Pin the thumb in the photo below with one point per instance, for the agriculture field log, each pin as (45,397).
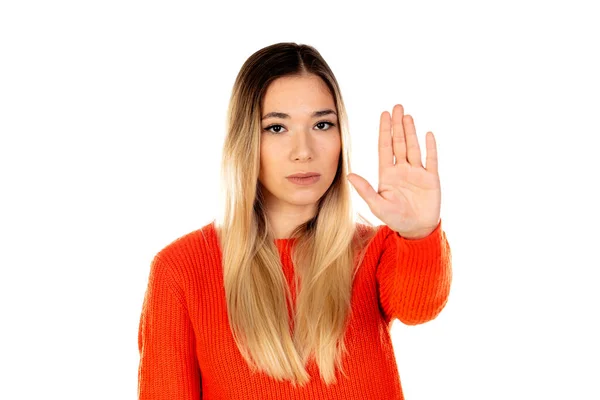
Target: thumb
(364,189)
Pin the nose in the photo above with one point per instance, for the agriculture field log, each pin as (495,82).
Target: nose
(302,146)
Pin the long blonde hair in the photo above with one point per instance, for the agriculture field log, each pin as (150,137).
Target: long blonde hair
(329,247)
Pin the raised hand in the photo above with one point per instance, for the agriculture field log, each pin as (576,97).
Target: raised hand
(408,199)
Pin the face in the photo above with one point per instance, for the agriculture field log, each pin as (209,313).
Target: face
(298,142)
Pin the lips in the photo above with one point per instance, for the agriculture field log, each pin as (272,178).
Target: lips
(304,175)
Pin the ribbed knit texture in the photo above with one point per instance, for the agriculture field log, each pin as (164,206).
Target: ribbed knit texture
(187,350)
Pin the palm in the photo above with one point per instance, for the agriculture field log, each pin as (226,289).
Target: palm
(408,198)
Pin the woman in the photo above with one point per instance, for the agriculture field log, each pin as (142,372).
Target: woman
(285,295)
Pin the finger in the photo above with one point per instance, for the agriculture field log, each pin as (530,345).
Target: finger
(399,146)
(386,153)
(412,143)
(432,159)
(365,190)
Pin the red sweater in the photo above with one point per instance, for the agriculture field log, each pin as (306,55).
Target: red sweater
(187,350)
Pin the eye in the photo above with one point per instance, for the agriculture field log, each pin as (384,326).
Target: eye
(331,125)
(271,127)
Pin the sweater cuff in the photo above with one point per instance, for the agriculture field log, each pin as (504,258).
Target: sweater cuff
(426,243)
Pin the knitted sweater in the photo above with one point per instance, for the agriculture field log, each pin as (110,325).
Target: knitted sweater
(187,350)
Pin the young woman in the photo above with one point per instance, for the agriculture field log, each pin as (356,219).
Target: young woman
(285,295)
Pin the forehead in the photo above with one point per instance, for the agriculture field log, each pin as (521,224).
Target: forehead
(297,94)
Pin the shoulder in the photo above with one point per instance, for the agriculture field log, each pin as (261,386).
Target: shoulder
(190,246)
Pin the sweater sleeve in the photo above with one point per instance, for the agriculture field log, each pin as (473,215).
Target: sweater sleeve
(168,368)
(414,276)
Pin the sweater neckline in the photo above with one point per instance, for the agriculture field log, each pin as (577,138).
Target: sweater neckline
(284,241)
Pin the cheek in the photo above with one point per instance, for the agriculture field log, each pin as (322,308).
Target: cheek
(333,149)
(268,162)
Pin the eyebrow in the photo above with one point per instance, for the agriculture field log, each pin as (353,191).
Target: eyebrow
(276,114)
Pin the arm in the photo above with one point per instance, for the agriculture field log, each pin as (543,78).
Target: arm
(414,276)
(168,367)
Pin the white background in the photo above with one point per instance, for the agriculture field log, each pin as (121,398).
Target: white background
(112,119)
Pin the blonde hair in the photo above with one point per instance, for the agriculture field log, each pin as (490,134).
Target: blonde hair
(329,247)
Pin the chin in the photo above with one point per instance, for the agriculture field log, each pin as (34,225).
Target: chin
(304,198)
